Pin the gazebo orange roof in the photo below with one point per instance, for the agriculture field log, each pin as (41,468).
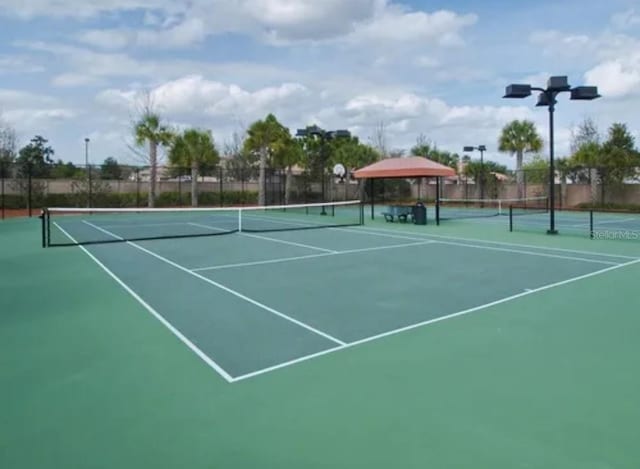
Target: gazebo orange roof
(407,167)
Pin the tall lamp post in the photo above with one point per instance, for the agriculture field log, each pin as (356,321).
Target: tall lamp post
(324,136)
(547,97)
(481,149)
(88,168)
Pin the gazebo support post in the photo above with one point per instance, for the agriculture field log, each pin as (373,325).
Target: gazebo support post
(372,199)
(437,200)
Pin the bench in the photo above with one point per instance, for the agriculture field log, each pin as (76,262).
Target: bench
(402,212)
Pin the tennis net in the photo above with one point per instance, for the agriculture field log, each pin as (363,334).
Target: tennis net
(474,208)
(79,226)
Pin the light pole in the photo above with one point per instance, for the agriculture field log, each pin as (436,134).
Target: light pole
(324,136)
(481,149)
(547,97)
(88,169)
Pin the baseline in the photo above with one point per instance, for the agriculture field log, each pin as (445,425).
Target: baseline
(501,243)
(489,248)
(434,320)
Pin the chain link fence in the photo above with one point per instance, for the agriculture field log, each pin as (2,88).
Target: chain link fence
(24,190)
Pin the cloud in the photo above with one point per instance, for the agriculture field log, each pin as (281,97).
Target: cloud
(278,23)
(194,95)
(617,78)
(16,64)
(80,9)
(186,33)
(397,24)
(627,19)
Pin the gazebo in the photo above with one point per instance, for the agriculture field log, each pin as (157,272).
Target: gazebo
(415,167)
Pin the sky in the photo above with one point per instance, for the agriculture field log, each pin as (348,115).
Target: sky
(71,69)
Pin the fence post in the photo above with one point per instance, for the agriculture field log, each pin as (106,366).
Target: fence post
(221,185)
(2,176)
(180,187)
(29,208)
(90,187)
(137,187)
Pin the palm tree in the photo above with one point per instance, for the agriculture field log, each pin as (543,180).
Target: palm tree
(267,138)
(150,131)
(194,148)
(520,137)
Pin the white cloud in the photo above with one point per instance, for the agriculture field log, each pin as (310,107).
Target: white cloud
(16,64)
(627,19)
(79,8)
(617,78)
(194,95)
(73,80)
(397,24)
(186,33)
(424,61)
(280,22)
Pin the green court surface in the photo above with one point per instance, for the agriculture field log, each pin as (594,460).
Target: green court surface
(383,345)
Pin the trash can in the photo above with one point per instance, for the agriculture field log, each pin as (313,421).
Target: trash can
(419,214)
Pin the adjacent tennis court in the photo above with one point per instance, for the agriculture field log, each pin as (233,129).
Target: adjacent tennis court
(312,336)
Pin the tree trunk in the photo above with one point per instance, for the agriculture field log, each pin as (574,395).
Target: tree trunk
(262,199)
(194,184)
(519,175)
(288,183)
(153,172)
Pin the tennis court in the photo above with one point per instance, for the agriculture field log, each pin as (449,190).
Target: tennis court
(532,214)
(315,339)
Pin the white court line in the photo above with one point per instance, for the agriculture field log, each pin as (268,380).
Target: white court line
(281,241)
(142,225)
(222,287)
(291,243)
(310,256)
(218,369)
(208,227)
(596,224)
(488,248)
(500,243)
(435,320)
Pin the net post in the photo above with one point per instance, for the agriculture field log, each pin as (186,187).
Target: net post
(239,220)
(510,218)
(43,225)
(591,224)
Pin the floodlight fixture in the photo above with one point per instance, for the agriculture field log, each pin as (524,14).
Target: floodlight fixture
(481,149)
(584,93)
(340,134)
(543,100)
(558,84)
(324,136)
(518,91)
(547,98)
